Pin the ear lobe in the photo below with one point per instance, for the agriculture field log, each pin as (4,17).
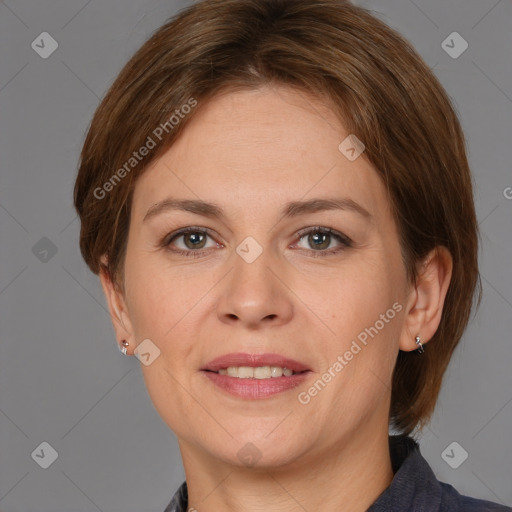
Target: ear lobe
(117,306)
(426,299)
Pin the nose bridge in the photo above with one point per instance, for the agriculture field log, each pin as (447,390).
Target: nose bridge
(253,293)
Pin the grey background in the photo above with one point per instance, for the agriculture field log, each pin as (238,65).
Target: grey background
(62,378)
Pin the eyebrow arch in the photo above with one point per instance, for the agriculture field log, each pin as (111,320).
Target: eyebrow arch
(291,209)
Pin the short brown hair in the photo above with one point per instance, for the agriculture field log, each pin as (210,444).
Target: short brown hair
(383,92)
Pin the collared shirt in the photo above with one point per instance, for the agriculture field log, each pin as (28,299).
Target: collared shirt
(414,487)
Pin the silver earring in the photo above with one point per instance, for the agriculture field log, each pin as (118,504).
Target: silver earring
(420,346)
(125,347)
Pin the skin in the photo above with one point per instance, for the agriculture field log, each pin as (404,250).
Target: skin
(251,152)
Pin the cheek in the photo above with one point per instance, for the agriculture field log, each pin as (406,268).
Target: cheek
(354,298)
(363,306)
(362,355)
(366,323)
(167,303)
(158,310)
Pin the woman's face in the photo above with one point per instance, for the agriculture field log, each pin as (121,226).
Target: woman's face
(265,278)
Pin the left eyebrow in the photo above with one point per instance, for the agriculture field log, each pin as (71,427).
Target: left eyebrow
(291,209)
(295,208)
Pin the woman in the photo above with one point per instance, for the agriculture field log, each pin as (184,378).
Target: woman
(277,200)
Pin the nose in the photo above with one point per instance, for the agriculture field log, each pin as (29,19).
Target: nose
(255,293)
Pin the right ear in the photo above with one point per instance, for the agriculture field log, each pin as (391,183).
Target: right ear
(117,307)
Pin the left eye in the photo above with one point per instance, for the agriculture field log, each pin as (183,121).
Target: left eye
(320,238)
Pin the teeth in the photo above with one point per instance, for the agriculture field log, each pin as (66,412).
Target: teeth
(232,371)
(260,372)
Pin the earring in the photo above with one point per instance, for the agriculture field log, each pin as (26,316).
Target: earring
(420,346)
(125,346)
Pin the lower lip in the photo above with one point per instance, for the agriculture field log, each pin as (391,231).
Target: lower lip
(256,388)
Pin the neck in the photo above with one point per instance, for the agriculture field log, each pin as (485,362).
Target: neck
(348,476)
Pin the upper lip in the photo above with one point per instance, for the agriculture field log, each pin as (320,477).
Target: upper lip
(254,360)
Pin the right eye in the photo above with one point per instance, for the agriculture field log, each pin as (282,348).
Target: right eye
(193,239)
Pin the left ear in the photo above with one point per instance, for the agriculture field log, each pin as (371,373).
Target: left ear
(426,299)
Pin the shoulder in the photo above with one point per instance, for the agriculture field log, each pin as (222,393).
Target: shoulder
(416,487)
(179,502)
(453,501)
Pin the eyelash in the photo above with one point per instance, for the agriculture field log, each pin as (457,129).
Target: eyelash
(345,241)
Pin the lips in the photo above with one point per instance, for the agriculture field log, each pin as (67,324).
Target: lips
(254,360)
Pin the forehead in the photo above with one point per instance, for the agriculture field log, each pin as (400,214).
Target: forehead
(260,147)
